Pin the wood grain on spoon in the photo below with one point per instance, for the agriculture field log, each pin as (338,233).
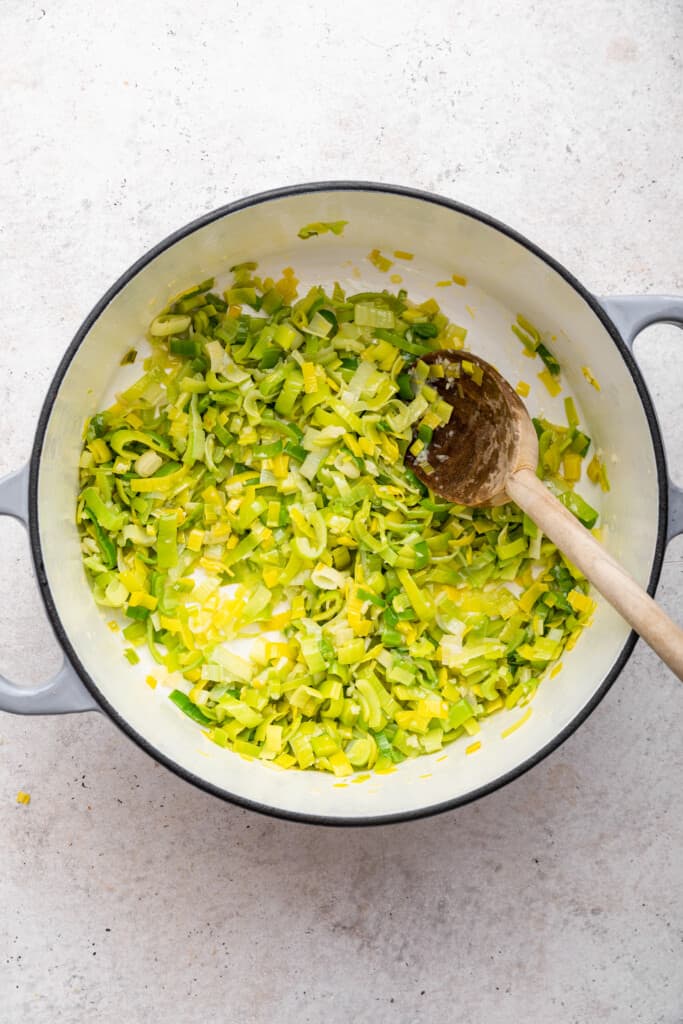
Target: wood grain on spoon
(488,453)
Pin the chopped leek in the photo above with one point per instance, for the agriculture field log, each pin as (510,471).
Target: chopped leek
(321,227)
(251,486)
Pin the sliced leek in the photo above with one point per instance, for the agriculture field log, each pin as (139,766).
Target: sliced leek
(251,485)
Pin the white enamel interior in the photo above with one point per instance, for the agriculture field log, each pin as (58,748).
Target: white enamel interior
(504,278)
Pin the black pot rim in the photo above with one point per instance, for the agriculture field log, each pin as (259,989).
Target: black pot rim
(95,313)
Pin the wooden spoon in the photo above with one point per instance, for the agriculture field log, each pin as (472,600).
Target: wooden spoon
(488,453)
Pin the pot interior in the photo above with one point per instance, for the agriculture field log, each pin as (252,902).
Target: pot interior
(504,278)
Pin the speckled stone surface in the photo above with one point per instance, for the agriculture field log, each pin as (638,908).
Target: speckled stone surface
(125,895)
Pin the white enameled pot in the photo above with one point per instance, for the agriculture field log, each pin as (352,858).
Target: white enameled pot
(506,274)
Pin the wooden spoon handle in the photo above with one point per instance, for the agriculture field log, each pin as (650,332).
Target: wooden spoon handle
(619,588)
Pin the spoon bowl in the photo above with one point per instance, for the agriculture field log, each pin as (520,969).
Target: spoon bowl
(488,436)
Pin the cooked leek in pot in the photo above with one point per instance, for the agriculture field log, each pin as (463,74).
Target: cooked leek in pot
(246,508)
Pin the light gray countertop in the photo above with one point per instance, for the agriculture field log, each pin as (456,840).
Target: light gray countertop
(125,894)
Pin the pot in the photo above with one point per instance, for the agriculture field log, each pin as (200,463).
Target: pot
(506,274)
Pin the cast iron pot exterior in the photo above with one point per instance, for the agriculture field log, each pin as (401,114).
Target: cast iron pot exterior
(73,689)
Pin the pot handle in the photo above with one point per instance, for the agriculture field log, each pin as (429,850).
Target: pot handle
(631,314)
(64,692)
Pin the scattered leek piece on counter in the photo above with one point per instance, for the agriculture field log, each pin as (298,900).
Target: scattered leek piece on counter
(251,485)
